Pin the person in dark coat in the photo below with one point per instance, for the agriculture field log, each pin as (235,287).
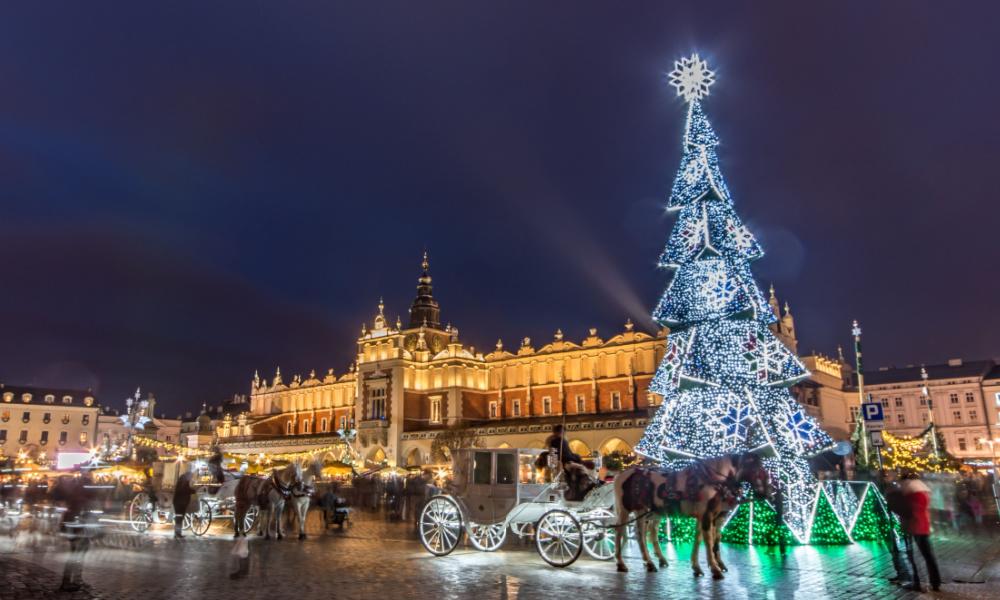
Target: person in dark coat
(184,491)
(574,466)
(897,503)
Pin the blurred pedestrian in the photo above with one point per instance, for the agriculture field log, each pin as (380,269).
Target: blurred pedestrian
(897,546)
(917,525)
(76,494)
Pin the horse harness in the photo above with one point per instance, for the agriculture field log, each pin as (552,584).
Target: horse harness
(285,491)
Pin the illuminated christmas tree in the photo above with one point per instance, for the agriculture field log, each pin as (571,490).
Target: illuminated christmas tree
(725,376)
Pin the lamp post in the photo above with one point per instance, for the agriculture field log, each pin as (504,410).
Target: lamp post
(134,418)
(930,409)
(856,332)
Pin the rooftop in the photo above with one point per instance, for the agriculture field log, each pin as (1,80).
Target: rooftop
(952,369)
(23,394)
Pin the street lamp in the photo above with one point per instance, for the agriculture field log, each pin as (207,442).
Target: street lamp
(134,418)
(856,332)
(930,409)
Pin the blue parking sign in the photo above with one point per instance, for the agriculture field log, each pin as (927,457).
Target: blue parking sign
(872,411)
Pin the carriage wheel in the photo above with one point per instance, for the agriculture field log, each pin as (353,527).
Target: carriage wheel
(559,538)
(250,519)
(201,520)
(598,536)
(140,512)
(487,538)
(440,525)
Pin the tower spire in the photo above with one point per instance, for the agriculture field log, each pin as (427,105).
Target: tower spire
(425,311)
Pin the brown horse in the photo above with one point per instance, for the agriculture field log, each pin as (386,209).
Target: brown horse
(705,490)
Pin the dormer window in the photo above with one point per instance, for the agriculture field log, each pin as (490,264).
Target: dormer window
(8,396)
(88,401)
(67,399)
(26,397)
(49,398)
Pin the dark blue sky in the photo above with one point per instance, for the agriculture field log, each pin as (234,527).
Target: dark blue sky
(193,190)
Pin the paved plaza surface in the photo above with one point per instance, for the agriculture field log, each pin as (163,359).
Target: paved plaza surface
(375,559)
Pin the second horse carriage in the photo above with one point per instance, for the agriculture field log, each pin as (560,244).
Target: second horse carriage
(494,490)
(153,503)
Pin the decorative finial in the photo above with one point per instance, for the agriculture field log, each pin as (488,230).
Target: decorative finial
(425,264)
(787,310)
(692,78)
(559,335)
(312,373)
(855,329)
(526,341)
(629,325)
(381,306)
(593,332)
(499,345)
(138,392)
(840,353)
(399,323)
(772,291)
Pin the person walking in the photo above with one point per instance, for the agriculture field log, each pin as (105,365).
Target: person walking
(917,525)
(76,495)
(897,545)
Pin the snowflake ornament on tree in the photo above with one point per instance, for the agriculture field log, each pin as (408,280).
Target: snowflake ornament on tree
(692,78)
(741,236)
(800,426)
(765,357)
(719,290)
(737,422)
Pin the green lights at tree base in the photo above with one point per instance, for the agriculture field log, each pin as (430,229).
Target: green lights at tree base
(757,523)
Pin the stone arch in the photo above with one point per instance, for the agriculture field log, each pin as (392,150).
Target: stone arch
(414,458)
(579,447)
(377,455)
(612,444)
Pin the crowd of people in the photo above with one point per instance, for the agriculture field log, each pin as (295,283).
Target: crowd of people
(400,497)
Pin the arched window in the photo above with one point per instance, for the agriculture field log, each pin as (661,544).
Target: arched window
(289,428)
(324,425)
(305,426)
(579,447)
(615,444)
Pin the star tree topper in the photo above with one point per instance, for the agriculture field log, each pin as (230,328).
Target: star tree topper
(692,78)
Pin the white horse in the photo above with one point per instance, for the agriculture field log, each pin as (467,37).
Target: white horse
(301,498)
(283,483)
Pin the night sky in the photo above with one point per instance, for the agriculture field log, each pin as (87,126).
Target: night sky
(195,190)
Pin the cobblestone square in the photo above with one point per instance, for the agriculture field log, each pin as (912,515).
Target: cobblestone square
(375,559)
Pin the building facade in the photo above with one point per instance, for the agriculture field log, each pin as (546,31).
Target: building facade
(411,381)
(42,421)
(965,400)
(112,431)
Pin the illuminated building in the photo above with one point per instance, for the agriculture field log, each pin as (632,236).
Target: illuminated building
(46,421)
(411,381)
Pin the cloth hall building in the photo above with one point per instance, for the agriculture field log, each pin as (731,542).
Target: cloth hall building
(412,381)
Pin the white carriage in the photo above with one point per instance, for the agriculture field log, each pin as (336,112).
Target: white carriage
(153,504)
(499,489)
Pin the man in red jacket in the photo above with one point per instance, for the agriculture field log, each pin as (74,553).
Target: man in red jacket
(918,527)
